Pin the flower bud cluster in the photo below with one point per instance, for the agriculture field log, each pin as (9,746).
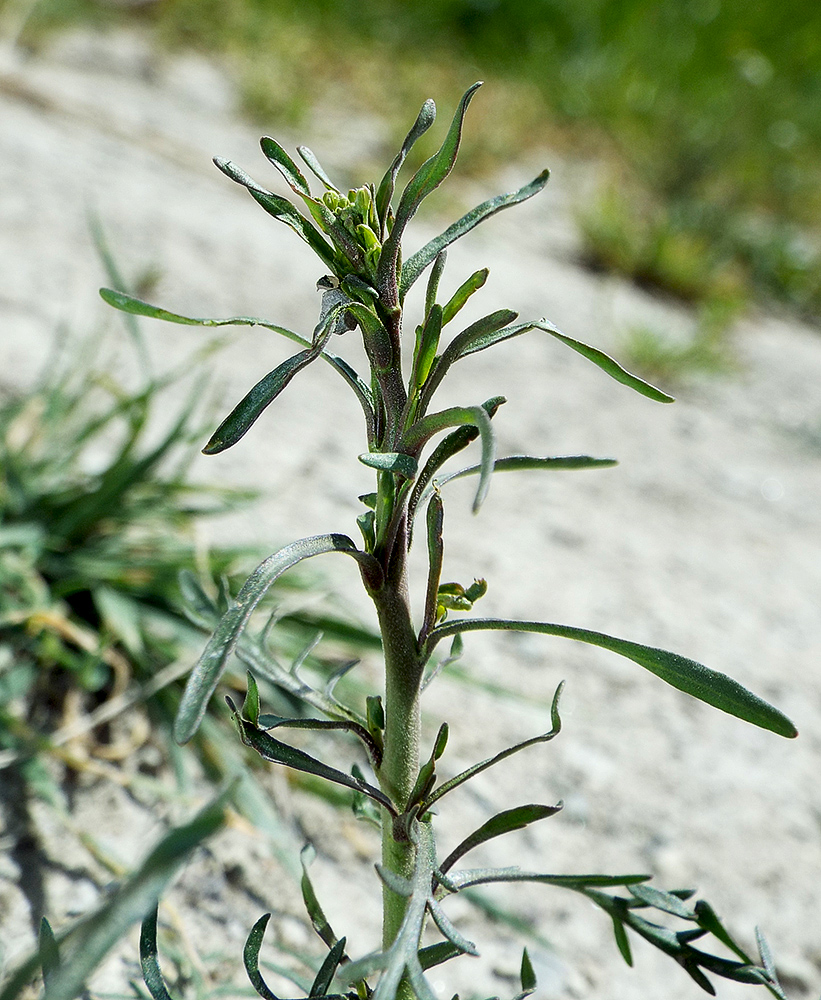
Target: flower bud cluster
(356,212)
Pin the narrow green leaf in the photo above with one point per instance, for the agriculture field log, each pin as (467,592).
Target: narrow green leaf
(250,707)
(765,953)
(707,918)
(485,876)
(250,958)
(434,170)
(284,211)
(317,915)
(433,281)
(483,328)
(686,675)
(527,975)
(427,343)
(437,954)
(246,413)
(391,461)
(417,436)
(449,932)
(504,822)
(327,970)
(470,772)
(522,463)
(416,264)
(463,293)
(698,977)
(149,958)
(384,194)
(664,901)
(435,523)
(286,166)
(599,358)
(206,674)
(127,303)
(281,753)
(313,164)
(447,448)
(622,941)
(426,179)
(269,722)
(396,883)
(49,952)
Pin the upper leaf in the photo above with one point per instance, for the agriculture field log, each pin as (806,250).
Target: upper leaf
(416,264)
(426,179)
(384,193)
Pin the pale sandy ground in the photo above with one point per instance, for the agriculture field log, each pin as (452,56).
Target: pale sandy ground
(706,539)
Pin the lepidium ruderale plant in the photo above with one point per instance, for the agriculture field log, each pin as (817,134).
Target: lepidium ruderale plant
(357,236)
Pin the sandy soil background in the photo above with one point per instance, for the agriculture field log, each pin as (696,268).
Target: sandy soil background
(706,539)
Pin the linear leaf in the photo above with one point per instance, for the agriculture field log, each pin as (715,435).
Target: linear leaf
(313,164)
(476,416)
(327,970)
(281,209)
(463,293)
(436,954)
(391,461)
(206,674)
(599,358)
(149,958)
(317,915)
(522,463)
(485,876)
(281,753)
(384,194)
(269,722)
(664,901)
(129,304)
(470,772)
(246,413)
(527,975)
(276,155)
(49,952)
(449,932)
(504,822)
(487,326)
(433,281)
(417,263)
(250,958)
(622,941)
(426,179)
(686,675)
(447,448)
(435,522)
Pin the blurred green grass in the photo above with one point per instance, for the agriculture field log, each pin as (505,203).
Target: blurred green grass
(706,112)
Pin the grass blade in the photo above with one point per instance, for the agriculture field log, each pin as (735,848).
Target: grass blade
(92,938)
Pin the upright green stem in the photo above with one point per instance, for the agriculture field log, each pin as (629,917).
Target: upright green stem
(400,762)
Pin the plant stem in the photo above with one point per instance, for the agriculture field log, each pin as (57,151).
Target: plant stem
(400,762)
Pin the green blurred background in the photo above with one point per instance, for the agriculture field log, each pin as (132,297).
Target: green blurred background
(706,113)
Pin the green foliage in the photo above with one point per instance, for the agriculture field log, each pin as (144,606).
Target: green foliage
(358,237)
